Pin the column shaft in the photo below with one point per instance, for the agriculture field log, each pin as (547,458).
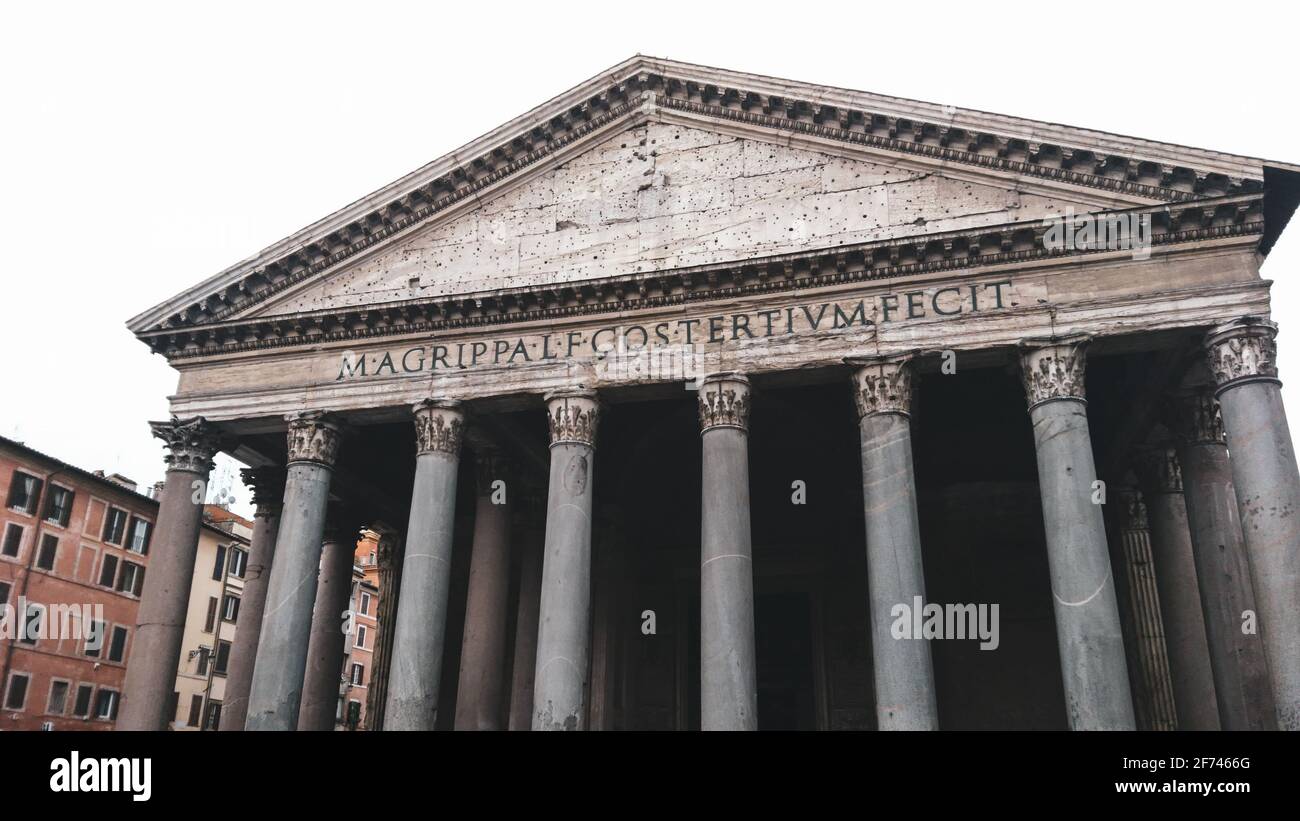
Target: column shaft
(1153,699)
(564,623)
(390,580)
(160,621)
(1089,633)
(525,655)
(276,693)
(480,692)
(327,644)
(728,672)
(421,626)
(902,667)
(1243,357)
(1236,658)
(268,490)
(1179,590)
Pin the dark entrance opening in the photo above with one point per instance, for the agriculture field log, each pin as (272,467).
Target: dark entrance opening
(784,640)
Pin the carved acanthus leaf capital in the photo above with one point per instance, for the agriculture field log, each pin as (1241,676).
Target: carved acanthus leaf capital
(882,384)
(343,522)
(724,402)
(573,416)
(191,443)
(439,426)
(1244,350)
(1133,509)
(267,484)
(490,465)
(1158,470)
(1054,368)
(1196,418)
(386,550)
(314,437)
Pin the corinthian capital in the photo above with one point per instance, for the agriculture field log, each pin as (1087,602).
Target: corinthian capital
(489,467)
(1195,416)
(313,437)
(1158,470)
(572,416)
(1243,350)
(1133,509)
(1054,368)
(882,384)
(439,426)
(268,488)
(724,402)
(191,443)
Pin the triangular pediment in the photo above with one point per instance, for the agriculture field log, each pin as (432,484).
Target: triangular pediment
(661,196)
(655,164)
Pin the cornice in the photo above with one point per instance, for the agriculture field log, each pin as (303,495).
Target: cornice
(987,141)
(881,260)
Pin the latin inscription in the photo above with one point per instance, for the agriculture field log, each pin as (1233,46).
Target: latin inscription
(717,330)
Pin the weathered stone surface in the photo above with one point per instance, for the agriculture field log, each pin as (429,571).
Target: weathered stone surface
(662,196)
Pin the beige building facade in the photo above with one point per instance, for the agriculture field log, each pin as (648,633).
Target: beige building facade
(839,358)
(211,619)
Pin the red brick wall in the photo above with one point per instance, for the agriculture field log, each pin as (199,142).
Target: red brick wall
(73,580)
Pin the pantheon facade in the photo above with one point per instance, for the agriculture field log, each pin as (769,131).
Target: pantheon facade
(668,396)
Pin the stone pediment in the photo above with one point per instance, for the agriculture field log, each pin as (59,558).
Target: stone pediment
(655,166)
(660,197)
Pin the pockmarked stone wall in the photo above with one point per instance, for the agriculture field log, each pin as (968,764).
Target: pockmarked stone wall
(662,196)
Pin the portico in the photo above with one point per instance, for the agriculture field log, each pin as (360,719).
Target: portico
(750,371)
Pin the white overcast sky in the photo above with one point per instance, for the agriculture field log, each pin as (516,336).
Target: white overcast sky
(145,146)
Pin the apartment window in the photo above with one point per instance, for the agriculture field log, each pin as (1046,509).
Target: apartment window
(358,674)
(4,592)
(141,532)
(13,540)
(219,564)
(213,716)
(132,579)
(223,658)
(117,645)
(58,698)
(81,707)
(230,609)
(49,550)
(203,661)
(23,492)
(196,710)
(238,562)
(210,623)
(365,604)
(58,510)
(372,557)
(354,713)
(16,695)
(108,570)
(35,619)
(114,525)
(106,704)
(361,636)
(94,639)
